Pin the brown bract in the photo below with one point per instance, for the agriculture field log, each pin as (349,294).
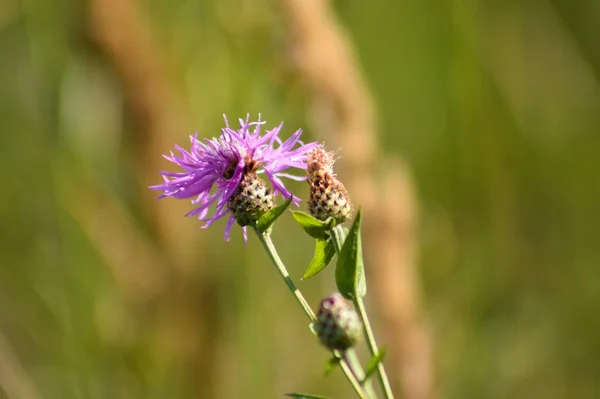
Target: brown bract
(328,196)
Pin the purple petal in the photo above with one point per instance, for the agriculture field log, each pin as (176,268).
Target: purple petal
(229,226)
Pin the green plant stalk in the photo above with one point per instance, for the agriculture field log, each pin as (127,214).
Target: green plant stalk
(350,370)
(339,236)
(383,378)
(352,358)
(338,241)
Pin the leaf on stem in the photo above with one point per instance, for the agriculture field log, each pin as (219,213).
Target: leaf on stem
(304,396)
(350,269)
(266,220)
(374,362)
(314,227)
(332,364)
(324,252)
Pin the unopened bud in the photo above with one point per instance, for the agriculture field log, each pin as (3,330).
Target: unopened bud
(251,200)
(339,326)
(328,196)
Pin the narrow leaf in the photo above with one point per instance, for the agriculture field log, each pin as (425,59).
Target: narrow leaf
(350,270)
(304,396)
(314,227)
(374,362)
(332,364)
(266,220)
(324,251)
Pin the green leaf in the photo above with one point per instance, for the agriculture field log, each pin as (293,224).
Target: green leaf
(266,220)
(332,364)
(314,227)
(324,251)
(374,362)
(304,396)
(350,270)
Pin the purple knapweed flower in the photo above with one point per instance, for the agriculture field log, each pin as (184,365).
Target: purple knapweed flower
(222,162)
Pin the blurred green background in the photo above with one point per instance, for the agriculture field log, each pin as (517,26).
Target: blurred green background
(104,293)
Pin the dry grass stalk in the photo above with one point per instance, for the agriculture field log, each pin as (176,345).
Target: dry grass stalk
(345,117)
(125,34)
(15,382)
(396,281)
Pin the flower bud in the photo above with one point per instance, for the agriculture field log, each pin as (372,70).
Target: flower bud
(339,326)
(328,196)
(251,200)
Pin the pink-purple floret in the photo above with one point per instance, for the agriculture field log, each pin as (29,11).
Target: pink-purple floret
(211,162)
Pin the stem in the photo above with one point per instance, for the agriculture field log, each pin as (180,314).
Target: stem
(349,371)
(265,240)
(339,236)
(353,380)
(383,378)
(352,359)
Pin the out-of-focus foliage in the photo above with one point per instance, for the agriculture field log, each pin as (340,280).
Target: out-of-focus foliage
(105,293)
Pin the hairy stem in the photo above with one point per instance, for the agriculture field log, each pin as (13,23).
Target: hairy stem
(351,370)
(339,236)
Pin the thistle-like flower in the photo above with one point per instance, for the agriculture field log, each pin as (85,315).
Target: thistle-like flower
(214,170)
(339,326)
(328,196)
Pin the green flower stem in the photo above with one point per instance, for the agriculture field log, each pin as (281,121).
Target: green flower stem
(383,378)
(338,241)
(350,370)
(267,243)
(352,359)
(339,237)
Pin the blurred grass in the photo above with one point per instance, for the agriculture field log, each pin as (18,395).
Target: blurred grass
(495,105)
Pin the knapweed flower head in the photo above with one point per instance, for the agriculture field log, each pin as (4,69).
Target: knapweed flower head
(338,324)
(328,196)
(251,200)
(213,170)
